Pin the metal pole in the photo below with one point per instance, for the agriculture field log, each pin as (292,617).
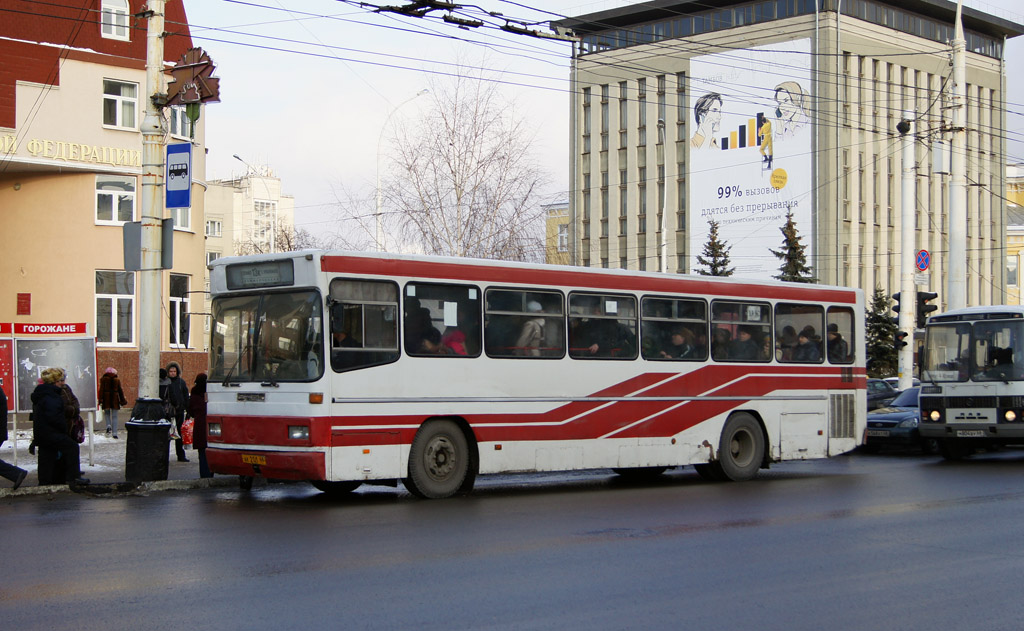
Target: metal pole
(956,285)
(379,237)
(908,293)
(663,245)
(152,210)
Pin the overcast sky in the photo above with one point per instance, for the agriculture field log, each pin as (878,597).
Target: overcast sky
(306,90)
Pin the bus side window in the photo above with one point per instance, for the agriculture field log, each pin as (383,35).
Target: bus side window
(839,332)
(363,323)
(442,320)
(524,324)
(798,333)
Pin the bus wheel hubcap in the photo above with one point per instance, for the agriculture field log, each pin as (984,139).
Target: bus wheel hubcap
(440,458)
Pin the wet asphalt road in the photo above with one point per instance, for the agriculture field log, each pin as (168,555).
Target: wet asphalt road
(856,542)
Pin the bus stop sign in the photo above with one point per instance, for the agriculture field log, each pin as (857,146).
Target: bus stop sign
(179,175)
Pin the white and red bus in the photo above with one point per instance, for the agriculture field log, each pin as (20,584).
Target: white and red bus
(346,368)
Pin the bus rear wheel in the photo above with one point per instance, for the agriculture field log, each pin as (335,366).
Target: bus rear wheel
(439,461)
(335,489)
(741,449)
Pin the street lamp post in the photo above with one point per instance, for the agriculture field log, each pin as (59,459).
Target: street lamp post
(379,236)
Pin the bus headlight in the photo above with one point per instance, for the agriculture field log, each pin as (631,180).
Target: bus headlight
(1010,416)
(935,416)
(213,429)
(298,432)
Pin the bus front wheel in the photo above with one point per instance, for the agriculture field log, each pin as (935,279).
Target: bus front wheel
(741,449)
(438,461)
(952,449)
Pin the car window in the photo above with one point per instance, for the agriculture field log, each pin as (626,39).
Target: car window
(907,398)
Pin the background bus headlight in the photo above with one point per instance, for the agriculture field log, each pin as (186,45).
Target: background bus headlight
(298,432)
(935,415)
(213,429)
(1010,416)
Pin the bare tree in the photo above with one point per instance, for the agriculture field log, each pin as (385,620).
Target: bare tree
(463,181)
(288,239)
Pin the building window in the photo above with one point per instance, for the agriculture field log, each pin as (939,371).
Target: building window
(179,310)
(211,257)
(1011,270)
(181,218)
(114,20)
(264,226)
(115,199)
(120,101)
(115,308)
(563,237)
(214,228)
(181,126)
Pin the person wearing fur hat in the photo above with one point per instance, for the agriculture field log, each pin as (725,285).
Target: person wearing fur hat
(111,398)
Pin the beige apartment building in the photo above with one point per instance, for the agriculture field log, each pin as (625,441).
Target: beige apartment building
(72,97)
(741,112)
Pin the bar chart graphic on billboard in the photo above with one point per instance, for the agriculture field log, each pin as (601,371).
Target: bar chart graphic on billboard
(750,152)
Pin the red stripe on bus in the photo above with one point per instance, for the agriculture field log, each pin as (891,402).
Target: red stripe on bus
(498,274)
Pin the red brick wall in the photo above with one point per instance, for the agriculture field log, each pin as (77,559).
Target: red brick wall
(75,24)
(127,365)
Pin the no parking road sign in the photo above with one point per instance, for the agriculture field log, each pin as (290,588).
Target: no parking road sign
(179,175)
(923,260)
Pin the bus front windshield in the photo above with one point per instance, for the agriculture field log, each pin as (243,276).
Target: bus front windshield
(983,351)
(267,337)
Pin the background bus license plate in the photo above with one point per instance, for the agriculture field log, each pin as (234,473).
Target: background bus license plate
(970,433)
(251,459)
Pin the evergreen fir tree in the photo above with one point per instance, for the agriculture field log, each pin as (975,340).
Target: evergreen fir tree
(716,255)
(880,330)
(794,267)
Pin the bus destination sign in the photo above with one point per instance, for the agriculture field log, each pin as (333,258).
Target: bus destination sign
(261,274)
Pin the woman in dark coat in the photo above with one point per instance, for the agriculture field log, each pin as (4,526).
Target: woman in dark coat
(50,424)
(197,410)
(177,396)
(111,398)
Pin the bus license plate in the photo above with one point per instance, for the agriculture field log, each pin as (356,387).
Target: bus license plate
(970,433)
(878,433)
(253,459)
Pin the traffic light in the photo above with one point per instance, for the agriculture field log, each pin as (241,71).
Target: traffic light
(923,308)
(896,309)
(900,342)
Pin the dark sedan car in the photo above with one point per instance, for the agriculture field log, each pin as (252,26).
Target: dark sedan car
(880,393)
(896,425)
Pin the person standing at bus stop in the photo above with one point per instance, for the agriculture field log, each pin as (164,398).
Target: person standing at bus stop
(197,410)
(111,398)
(7,470)
(177,396)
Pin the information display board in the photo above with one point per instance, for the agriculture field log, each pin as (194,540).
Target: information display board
(77,356)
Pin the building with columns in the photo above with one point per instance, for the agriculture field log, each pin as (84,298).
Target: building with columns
(742,112)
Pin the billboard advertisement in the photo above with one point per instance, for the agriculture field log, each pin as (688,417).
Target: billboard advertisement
(750,152)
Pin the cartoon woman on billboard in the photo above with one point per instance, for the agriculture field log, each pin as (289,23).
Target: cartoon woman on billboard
(790,109)
(707,113)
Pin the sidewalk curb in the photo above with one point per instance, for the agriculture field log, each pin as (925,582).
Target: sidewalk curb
(105,488)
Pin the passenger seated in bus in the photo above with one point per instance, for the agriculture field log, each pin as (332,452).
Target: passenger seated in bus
(600,337)
(431,344)
(807,350)
(680,344)
(531,334)
(787,342)
(341,339)
(744,347)
(417,321)
(837,348)
(455,340)
(720,340)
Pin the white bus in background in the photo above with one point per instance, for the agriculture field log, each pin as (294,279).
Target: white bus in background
(346,368)
(972,374)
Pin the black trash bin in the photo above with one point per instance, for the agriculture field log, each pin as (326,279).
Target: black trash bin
(147,447)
